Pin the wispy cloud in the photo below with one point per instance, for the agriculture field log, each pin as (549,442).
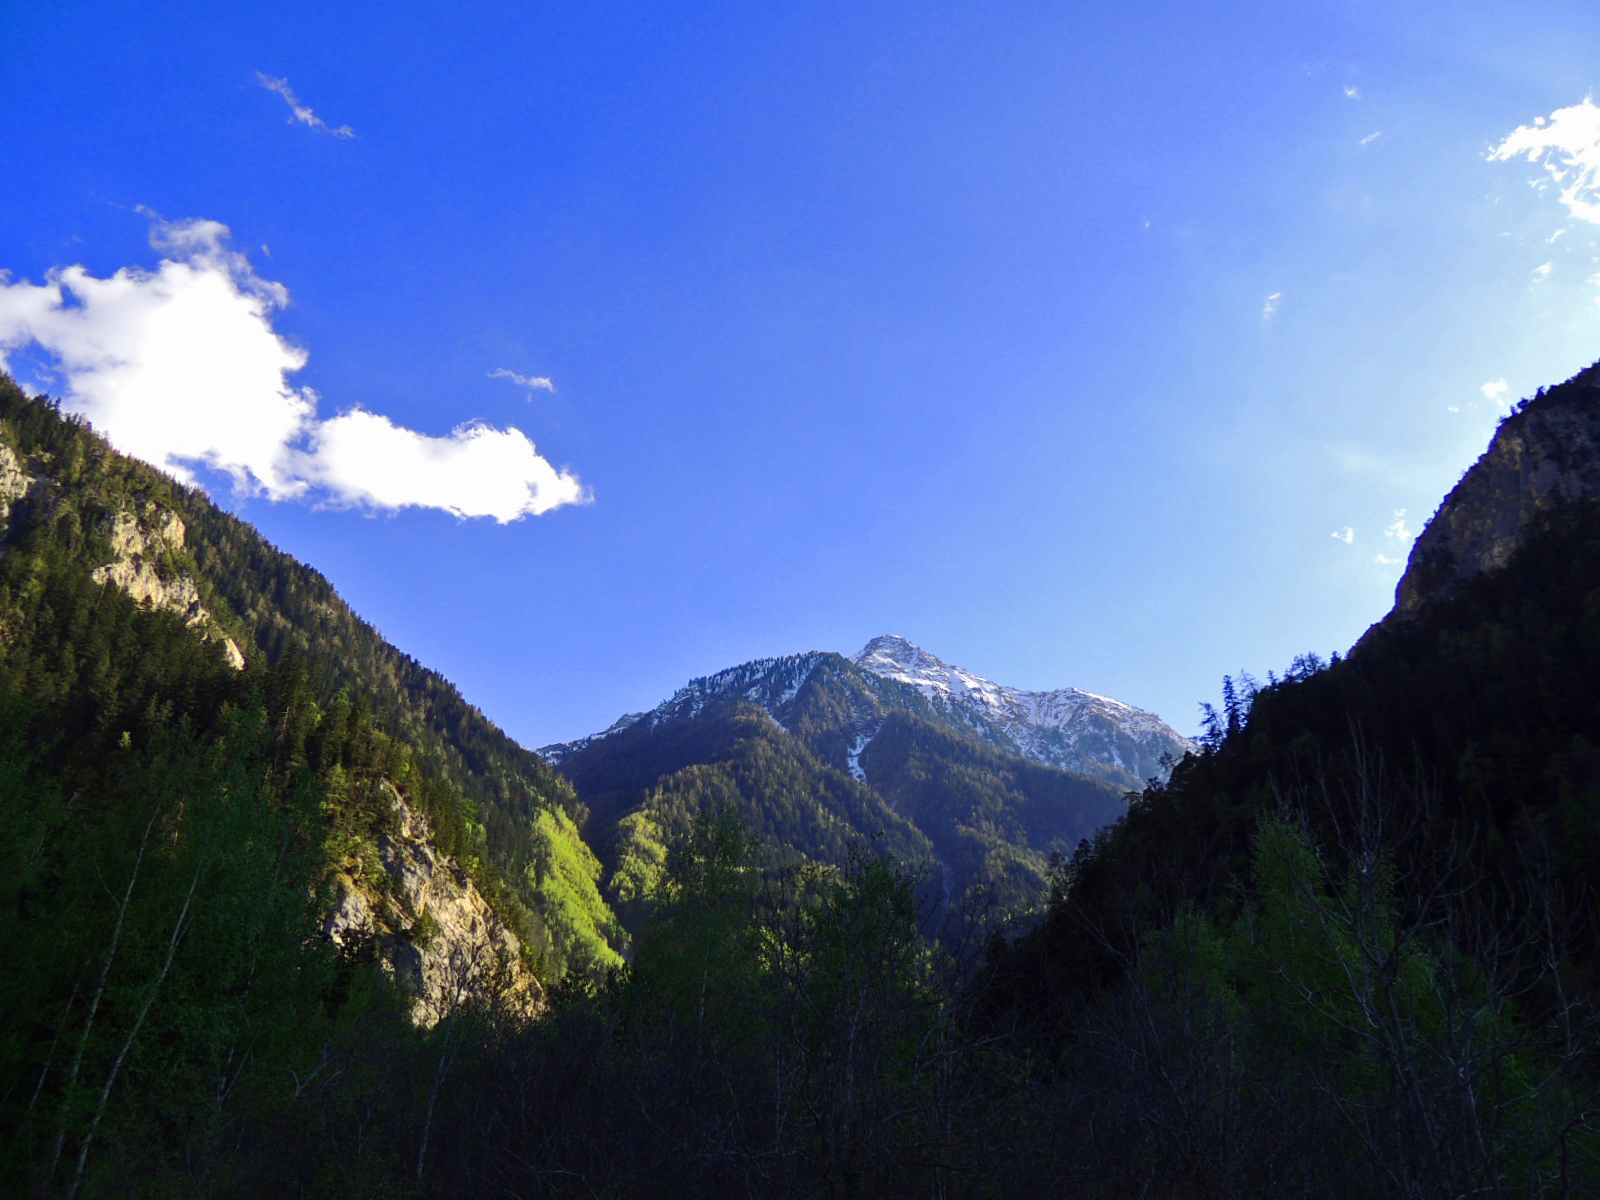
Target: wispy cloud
(1372,137)
(1345,535)
(534,383)
(1567,142)
(181,367)
(1385,560)
(1495,390)
(1397,528)
(1270,308)
(302,112)
(1352,91)
(1543,270)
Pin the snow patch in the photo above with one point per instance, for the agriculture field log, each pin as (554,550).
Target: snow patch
(1068,728)
(853,758)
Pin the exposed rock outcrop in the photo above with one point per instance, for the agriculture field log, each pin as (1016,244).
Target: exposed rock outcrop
(15,483)
(1544,456)
(141,541)
(433,930)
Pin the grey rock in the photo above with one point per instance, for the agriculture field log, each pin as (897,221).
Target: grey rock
(455,952)
(1542,457)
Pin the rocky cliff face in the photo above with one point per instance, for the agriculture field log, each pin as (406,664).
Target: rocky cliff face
(430,926)
(1543,456)
(143,543)
(15,483)
(147,544)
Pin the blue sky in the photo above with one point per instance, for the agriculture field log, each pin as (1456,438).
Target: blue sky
(1061,339)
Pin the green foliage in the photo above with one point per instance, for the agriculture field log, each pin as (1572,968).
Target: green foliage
(641,856)
(566,878)
(987,818)
(107,668)
(781,1031)
(992,818)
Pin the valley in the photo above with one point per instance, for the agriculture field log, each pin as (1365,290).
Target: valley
(284,911)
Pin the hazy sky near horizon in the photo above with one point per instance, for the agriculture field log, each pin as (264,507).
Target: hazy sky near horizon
(590,348)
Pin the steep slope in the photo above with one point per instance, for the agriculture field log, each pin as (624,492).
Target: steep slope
(1545,456)
(821,755)
(73,502)
(1460,735)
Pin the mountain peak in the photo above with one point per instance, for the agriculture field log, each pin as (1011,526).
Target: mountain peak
(1545,454)
(1068,727)
(890,651)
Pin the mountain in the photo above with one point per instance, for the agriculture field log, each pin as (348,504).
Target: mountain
(1348,946)
(96,523)
(1371,894)
(1476,696)
(821,753)
(1074,730)
(1543,458)
(1067,728)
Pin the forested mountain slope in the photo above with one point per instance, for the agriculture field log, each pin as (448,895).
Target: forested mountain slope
(74,502)
(821,755)
(1375,883)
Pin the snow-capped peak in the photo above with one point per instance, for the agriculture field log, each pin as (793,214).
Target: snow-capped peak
(1076,730)
(1067,727)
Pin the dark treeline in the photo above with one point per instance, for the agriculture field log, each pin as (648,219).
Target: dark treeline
(1433,803)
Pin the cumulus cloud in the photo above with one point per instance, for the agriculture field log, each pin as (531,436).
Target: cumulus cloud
(301,112)
(1270,308)
(366,459)
(181,367)
(1495,390)
(532,382)
(1567,142)
(1398,528)
(1345,535)
(1544,269)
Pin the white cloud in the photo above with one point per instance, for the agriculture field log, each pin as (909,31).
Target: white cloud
(365,459)
(181,366)
(1555,235)
(1372,137)
(1495,390)
(1398,528)
(1568,143)
(301,112)
(1543,271)
(1345,535)
(176,365)
(531,382)
(1385,560)
(1270,308)
(1352,91)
